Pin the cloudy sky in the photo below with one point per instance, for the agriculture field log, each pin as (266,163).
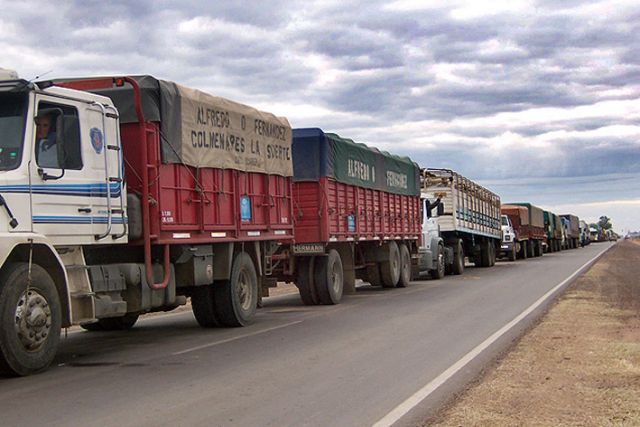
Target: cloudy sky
(539,101)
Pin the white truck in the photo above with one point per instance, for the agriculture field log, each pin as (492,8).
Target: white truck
(467,218)
(82,245)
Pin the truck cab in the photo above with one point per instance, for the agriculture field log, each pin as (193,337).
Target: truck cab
(61,189)
(508,244)
(433,255)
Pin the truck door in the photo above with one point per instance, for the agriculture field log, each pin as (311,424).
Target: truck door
(68,184)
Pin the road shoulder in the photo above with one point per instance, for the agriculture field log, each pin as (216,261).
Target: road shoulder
(580,365)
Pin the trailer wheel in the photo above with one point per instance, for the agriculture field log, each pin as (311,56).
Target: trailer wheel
(405,266)
(204,307)
(31,319)
(236,299)
(329,278)
(305,279)
(438,272)
(458,258)
(390,269)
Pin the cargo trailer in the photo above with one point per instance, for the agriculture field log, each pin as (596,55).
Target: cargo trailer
(553,231)
(357,215)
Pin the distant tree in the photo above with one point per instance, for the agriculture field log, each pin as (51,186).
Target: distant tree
(605,222)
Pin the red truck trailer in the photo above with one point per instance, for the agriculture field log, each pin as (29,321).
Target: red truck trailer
(356,215)
(528,224)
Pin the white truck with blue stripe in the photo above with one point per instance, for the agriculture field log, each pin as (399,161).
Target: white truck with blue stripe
(51,212)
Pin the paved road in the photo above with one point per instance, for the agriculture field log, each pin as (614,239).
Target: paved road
(344,365)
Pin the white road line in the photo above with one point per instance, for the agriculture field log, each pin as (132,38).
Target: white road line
(406,406)
(213,344)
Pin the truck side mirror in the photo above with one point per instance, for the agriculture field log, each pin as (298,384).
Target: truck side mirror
(440,209)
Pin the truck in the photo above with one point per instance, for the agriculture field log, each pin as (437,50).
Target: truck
(554,232)
(467,218)
(527,221)
(357,216)
(584,233)
(152,193)
(571,225)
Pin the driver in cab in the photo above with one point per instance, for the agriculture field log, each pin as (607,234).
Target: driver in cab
(46,152)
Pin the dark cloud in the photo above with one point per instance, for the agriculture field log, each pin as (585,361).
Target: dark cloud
(422,82)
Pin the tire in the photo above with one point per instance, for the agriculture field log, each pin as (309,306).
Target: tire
(236,299)
(532,249)
(37,311)
(512,254)
(438,272)
(329,278)
(458,258)
(405,266)
(123,323)
(485,254)
(304,282)
(204,306)
(390,269)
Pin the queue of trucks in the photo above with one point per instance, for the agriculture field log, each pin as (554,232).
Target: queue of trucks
(153,194)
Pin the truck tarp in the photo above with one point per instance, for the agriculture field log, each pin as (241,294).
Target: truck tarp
(202,130)
(318,154)
(536,214)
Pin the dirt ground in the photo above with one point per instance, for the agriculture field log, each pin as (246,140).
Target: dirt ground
(580,366)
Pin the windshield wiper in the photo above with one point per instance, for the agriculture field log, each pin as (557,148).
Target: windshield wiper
(14,222)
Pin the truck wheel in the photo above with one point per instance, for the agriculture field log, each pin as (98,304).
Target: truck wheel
(532,249)
(458,258)
(329,278)
(405,266)
(390,269)
(485,254)
(236,299)
(438,272)
(204,307)
(304,281)
(31,319)
(512,253)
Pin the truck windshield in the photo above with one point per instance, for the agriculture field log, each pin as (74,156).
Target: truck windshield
(13,112)
(505,221)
